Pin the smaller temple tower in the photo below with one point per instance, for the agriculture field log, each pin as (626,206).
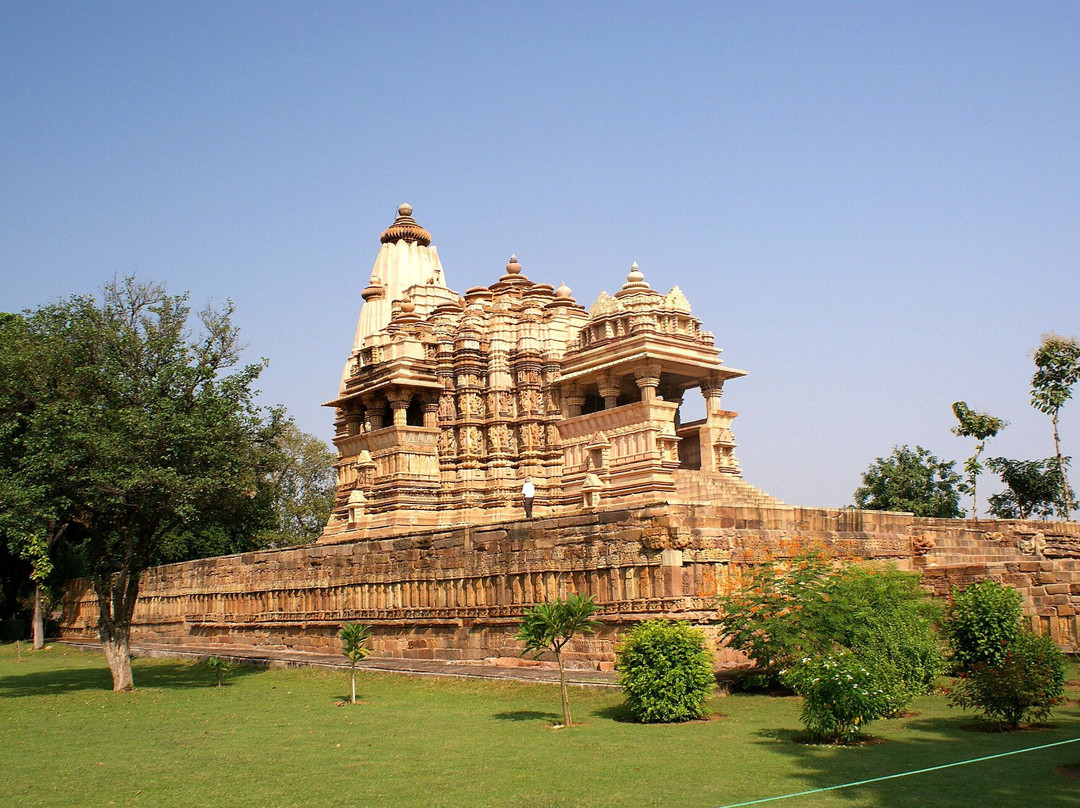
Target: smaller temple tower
(448,402)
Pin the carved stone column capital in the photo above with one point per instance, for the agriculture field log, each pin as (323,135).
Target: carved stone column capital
(648,379)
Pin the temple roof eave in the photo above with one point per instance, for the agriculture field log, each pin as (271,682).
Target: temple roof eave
(379,378)
(675,356)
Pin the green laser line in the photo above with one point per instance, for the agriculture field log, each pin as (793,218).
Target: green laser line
(901,774)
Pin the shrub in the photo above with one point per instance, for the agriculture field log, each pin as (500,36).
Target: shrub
(841,694)
(809,608)
(665,670)
(884,616)
(1023,686)
(981,623)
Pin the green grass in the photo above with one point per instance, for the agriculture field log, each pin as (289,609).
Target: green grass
(279,738)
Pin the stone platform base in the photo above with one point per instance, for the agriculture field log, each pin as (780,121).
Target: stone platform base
(457,595)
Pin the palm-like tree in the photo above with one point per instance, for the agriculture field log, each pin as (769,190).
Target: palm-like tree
(354,637)
(1057,362)
(979,425)
(550,626)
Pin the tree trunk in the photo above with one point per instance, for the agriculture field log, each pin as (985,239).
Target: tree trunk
(1066,492)
(117,594)
(118,653)
(352,700)
(567,722)
(39,619)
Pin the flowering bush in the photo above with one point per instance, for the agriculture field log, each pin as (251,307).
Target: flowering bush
(981,623)
(666,671)
(809,608)
(1023,686)
(779,614)
(841,694)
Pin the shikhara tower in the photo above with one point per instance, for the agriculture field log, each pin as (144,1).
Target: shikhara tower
(447,402)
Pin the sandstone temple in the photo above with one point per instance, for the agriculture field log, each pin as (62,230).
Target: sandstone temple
(449,402)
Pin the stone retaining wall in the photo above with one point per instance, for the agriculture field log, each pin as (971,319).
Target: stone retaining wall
(458,594)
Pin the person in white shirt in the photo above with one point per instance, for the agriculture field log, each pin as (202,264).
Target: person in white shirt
(528,491)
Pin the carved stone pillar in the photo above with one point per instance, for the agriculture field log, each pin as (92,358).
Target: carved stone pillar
(373,414)
(575,400)
(431,414)
(609,391)
(399,403)
(712,390)
(648,379)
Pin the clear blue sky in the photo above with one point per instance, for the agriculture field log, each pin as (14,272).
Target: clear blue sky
(875,206)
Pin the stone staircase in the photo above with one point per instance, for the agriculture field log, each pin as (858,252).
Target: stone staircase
(717,488)
(1048,582)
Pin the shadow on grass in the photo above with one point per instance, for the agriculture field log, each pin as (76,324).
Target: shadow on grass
(528,715)
(617,712)
(53,683)
(999,780)
(167,676)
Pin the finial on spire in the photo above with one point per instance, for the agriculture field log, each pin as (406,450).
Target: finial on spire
(405,228)
(513,268)
(635,275)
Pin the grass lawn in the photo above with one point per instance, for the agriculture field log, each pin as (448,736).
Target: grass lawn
(280,738)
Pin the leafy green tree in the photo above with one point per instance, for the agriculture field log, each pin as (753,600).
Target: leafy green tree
(132,432)
(665,670)
(354,639)
(1032,488)
(31,521)
(981,426)
(550,626)
(778,614)
(303,488)
(1057,363)
(911,480)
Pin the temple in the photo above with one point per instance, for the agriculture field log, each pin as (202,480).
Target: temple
(448,403)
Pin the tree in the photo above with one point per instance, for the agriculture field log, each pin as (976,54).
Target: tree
(30,520)
(1033,488)
(354,638)
(550,626)
(911,480)
(1057,362)
(981,426)
(303,487)
(133,433)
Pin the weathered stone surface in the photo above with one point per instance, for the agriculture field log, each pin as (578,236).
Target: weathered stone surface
(465,604)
